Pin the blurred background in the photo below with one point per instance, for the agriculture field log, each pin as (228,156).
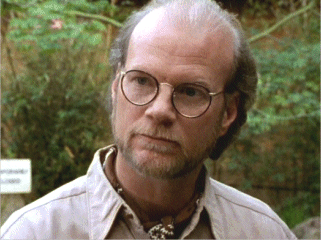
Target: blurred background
(55,78)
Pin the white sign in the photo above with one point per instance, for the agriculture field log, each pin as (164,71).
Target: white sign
(15,175)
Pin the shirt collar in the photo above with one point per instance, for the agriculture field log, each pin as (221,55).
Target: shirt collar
(103,201)
(210,204)
(207,203)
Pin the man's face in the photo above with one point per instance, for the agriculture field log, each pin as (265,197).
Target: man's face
(155,139)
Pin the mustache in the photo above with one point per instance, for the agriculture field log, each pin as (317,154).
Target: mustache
(160,132)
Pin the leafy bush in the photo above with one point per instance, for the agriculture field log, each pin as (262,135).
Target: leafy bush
(279,146)
(46,23)
(297,209)
(267,8)
(53,114)
(53,111)
(288,86)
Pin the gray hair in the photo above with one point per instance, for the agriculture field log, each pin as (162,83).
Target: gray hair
(199,13)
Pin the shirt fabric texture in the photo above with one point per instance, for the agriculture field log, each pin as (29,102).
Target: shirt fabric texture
(90,208)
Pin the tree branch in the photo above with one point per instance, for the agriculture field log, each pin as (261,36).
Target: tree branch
(278,188)
(284,20)
(270,118)
(94,16)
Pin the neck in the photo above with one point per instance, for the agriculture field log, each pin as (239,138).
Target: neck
(157,197)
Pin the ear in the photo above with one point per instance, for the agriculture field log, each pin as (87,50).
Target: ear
(230,112)
(114,86)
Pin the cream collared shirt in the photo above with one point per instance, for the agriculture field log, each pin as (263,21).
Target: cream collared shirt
(89,208)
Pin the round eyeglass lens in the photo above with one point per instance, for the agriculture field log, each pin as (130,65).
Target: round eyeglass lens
(191,100)
(139,87)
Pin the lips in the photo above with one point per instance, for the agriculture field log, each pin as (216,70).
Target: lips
(158,139)
(156,144)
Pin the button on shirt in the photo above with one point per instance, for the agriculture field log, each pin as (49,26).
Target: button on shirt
(90,208)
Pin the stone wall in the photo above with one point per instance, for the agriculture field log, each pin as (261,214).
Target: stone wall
(309,229)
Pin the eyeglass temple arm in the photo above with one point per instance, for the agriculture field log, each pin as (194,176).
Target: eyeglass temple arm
(217,93)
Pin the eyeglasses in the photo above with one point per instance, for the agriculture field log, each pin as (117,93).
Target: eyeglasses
(189,99)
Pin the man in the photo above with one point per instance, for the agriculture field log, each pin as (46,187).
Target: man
(184,80)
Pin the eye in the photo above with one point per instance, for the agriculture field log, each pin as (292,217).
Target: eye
(141,80)
(191,91)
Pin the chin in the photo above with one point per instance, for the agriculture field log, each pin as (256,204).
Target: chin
(161,166)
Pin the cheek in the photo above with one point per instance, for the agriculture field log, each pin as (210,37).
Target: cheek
(200,134)
(119,117)
(205,131)
(124,115)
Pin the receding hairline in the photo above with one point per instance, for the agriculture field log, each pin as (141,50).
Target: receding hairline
(185,19)
(188,19)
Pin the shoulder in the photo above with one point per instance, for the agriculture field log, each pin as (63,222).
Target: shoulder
(249,216)
(235,197)
(57,209)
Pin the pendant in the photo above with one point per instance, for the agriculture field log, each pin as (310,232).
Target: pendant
(159,231)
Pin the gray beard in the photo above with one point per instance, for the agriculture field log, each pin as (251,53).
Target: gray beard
(160,166)
(178,167)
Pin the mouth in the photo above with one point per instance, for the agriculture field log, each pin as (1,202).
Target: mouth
(156,143)
(156,139)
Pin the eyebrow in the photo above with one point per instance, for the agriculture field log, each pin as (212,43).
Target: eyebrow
(196,79)
(204,84)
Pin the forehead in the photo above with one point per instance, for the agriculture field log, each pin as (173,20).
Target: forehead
(160,41)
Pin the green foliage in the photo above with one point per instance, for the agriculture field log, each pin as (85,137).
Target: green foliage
(296,209)
(47,24)
(267,8)
(288,85)
(279,146)
(53,111)
(54,115)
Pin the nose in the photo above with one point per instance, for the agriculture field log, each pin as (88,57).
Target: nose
(161,108)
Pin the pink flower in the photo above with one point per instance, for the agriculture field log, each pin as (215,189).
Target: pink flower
(56,24)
